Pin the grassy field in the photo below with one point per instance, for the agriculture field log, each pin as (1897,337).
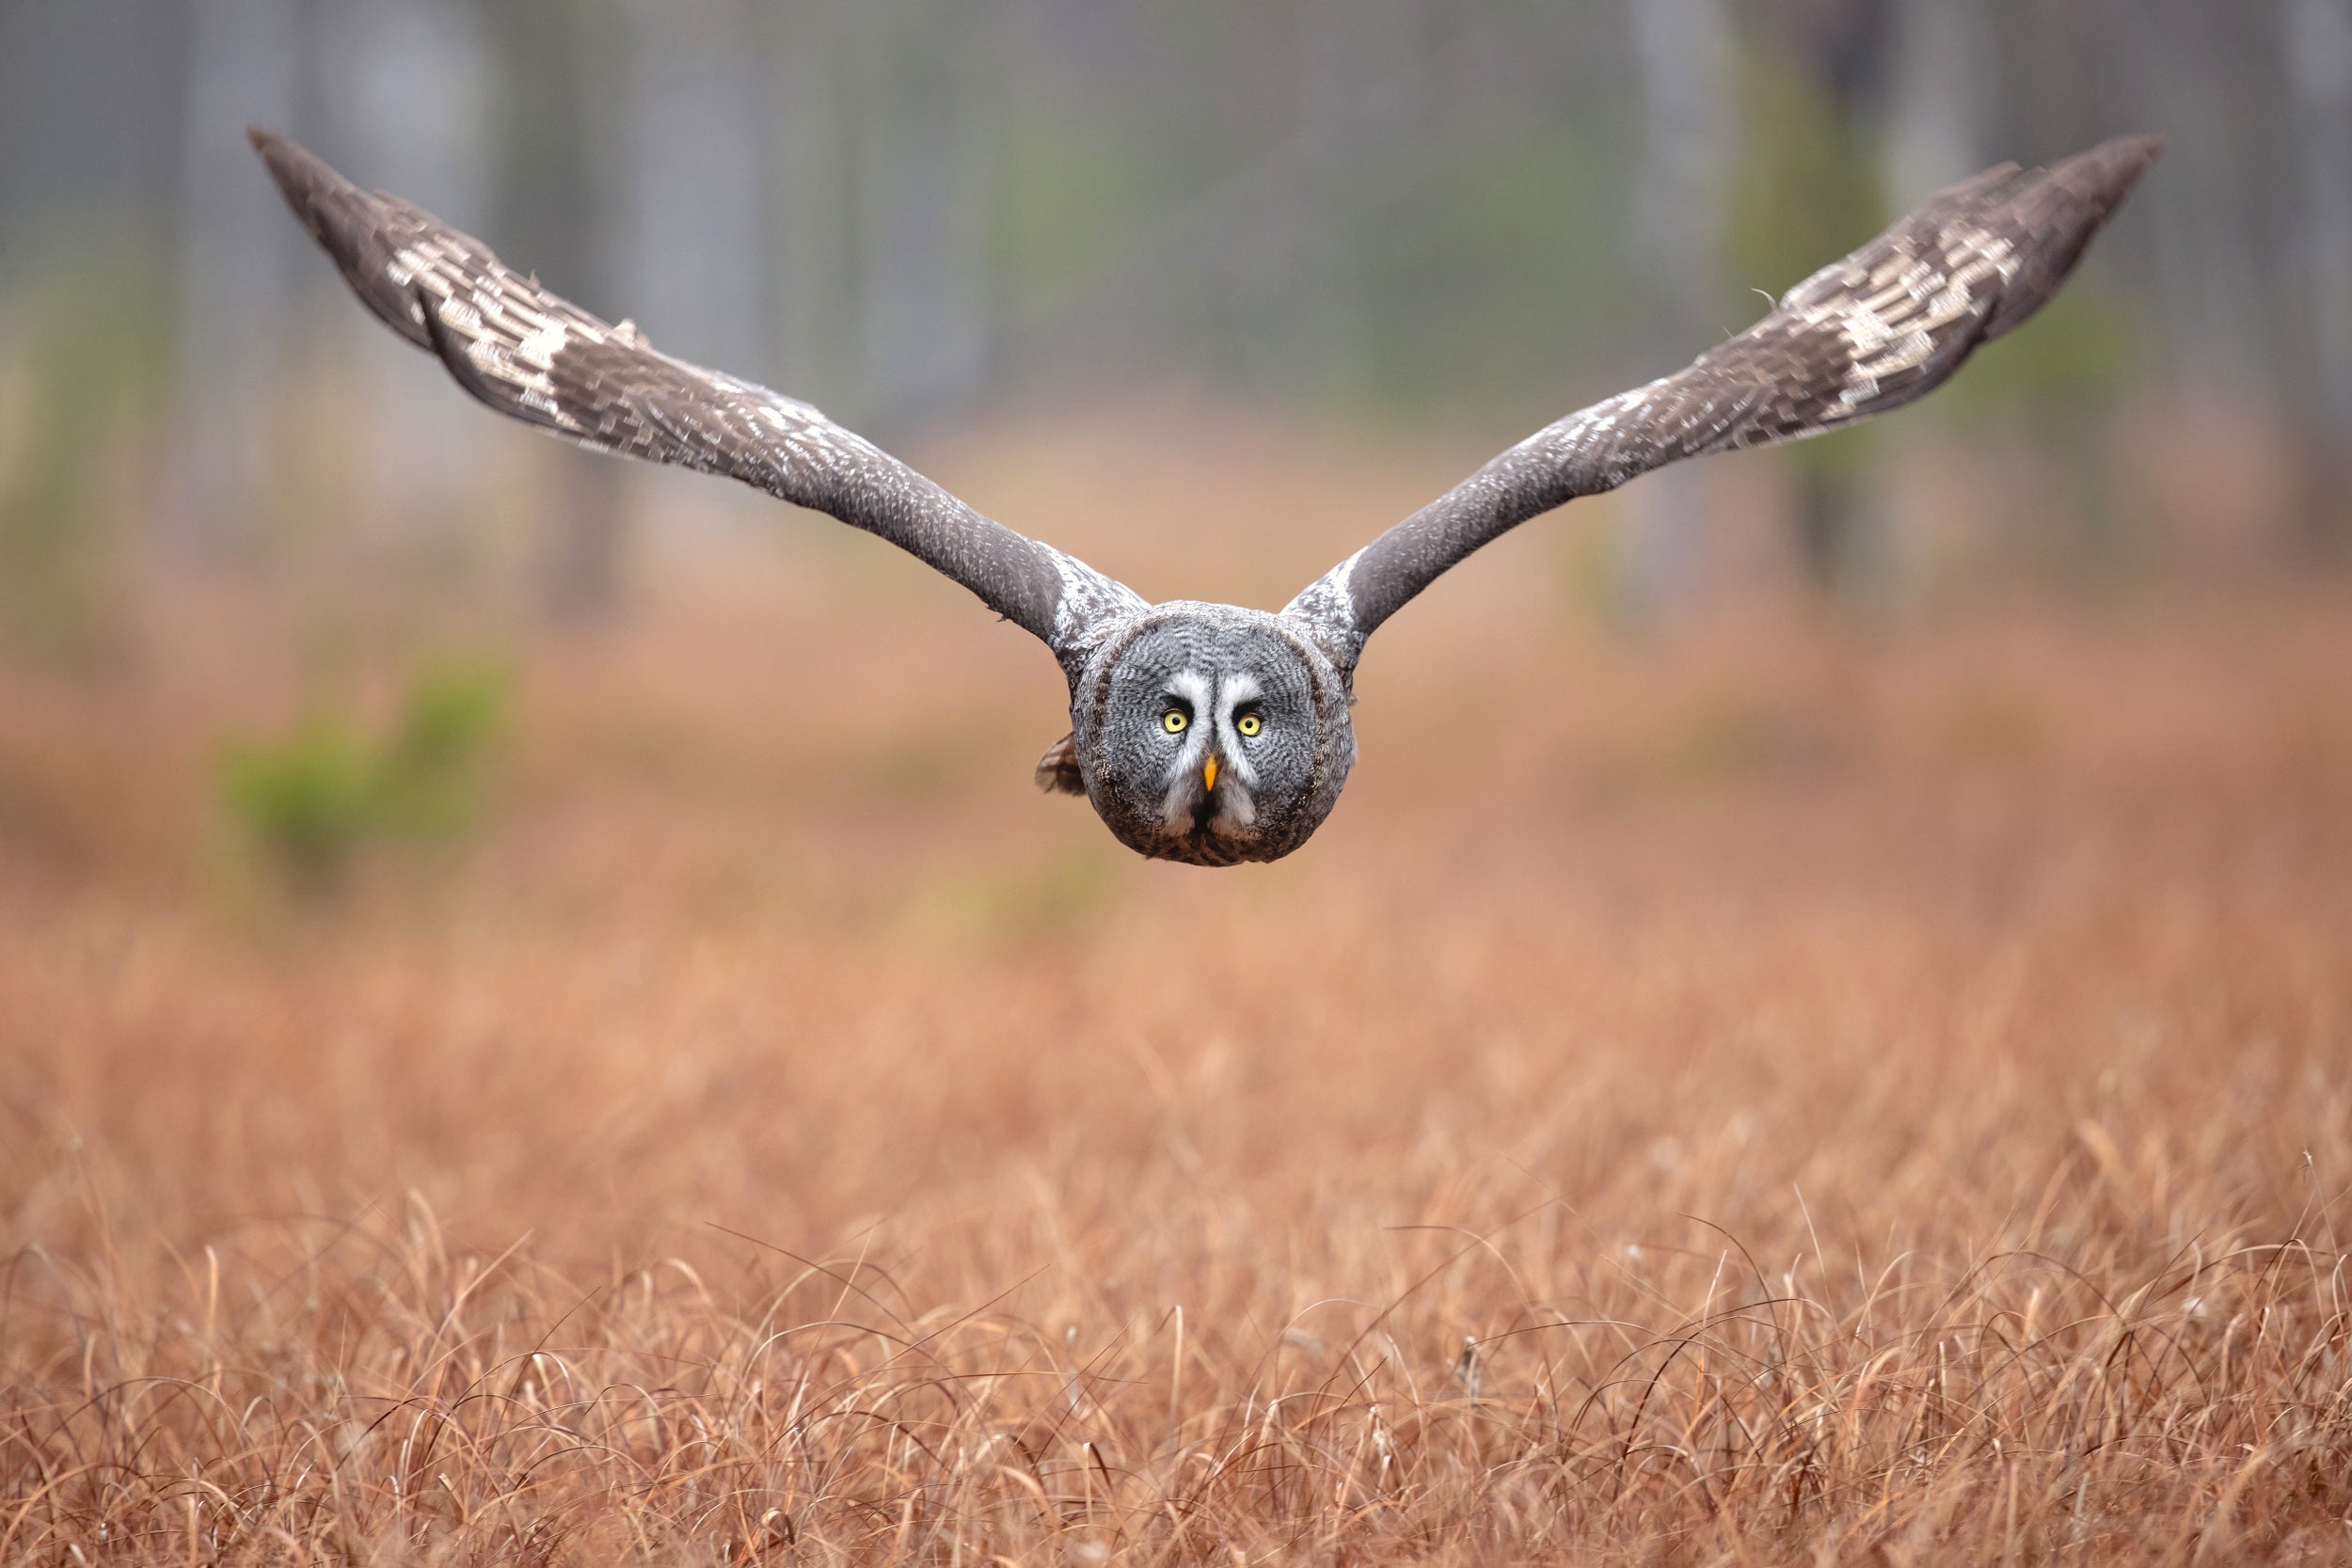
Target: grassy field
(1766,1091)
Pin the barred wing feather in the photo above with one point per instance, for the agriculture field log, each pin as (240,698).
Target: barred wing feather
(539,359)
(1864,335)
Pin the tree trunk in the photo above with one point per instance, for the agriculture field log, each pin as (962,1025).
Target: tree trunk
(236,268)
(922,199)
(553,78)
(1685,59)
(405,86)
(2317,39)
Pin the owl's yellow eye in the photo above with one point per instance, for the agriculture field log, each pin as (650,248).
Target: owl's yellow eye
(1249,724)
(1174,721)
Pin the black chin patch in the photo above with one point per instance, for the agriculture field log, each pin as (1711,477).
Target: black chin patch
(1203,811)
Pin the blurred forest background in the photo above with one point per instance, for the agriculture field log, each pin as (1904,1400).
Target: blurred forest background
(1025,241)
(448,878)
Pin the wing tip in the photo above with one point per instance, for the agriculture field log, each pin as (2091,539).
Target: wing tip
(346,222)
(2140,148)
(2109,170)
(330,207)
(2063,209)
(300,174)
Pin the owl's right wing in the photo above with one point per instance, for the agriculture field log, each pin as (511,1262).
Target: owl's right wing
(542,359)
(1887,325)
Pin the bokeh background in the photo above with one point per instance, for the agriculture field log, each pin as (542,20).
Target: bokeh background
(1207,294)
(1434,226)
(447,878)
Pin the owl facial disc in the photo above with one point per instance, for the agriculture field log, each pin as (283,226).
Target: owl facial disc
(1211,734)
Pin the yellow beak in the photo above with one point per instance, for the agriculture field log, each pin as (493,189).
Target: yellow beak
(1208,772)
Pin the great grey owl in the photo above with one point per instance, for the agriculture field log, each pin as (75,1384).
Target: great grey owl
(1208,733)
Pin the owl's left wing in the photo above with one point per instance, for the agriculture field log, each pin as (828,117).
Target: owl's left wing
(541,359)
(1888,323)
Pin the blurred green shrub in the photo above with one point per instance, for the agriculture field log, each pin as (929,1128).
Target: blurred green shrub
(312,800)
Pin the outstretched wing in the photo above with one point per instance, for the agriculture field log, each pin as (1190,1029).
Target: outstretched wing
(526,353)
(1888,323)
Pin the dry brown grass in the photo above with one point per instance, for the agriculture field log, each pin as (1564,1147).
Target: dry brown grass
(1856,1095)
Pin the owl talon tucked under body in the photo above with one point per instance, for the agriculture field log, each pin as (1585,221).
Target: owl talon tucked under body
(1058,769)
(1200,732)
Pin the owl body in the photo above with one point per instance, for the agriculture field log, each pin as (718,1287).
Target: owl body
(1208,733)
(1211,733)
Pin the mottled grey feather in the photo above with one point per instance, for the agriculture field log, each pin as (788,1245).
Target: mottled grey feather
(1888,323)
(541,359)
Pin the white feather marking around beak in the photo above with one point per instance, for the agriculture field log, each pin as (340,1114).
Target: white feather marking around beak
(1194,689)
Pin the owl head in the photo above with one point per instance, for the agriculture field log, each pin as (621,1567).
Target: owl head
(1209,735)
